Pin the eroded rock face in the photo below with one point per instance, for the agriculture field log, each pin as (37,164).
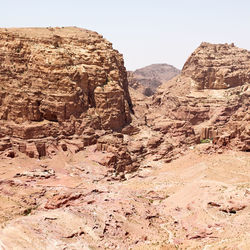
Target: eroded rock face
(218,66)
(59,82)
(211,95)
(73,199)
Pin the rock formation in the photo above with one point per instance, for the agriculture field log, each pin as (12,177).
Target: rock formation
(218,66)
(58,83)
(147,79)
(211,95)
(69,151)
(66,88)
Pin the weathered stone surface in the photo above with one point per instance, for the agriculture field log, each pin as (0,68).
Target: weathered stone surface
(70,202)
(208,133)
(73,200)
(60,81)
(118,156)
(218,66)
(213,106)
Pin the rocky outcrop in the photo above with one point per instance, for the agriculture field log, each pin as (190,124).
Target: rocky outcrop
(65,89)
(59,82)
(73,199)
(218,66)
(211,95)
(146,80)
(70,202)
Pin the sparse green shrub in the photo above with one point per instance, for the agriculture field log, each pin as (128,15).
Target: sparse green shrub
(206,141)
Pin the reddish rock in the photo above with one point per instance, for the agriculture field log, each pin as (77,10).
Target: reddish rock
(154,142)
(120,154)
(58,82)
(31,150)
(61,200)
(218,66)
(130,130)
(136,147)
(108,159)
(5,143)
(207,133)
(210,99)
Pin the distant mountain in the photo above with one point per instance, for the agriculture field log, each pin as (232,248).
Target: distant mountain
(147,79)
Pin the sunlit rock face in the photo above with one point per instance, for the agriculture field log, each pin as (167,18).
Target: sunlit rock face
(211,94)
(60,81)
(218,66)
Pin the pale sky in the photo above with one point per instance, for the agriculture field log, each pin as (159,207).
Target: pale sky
(144,31)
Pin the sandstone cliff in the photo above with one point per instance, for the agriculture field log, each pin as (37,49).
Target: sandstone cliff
(211,95)
(218,66)
(58,82)
(72,199)
(182,115)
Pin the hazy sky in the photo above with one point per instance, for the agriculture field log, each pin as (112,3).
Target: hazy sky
(144,31)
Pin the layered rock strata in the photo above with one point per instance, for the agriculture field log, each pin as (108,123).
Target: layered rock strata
(57,83)
(218,66)
(211,95)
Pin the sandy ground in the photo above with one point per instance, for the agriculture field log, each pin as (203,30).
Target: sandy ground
(199,201)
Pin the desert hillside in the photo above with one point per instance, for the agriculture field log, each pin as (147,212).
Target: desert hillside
(146,80)
(87,162)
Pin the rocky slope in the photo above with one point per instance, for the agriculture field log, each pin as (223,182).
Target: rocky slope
(57,83)
(215,105)
(218,66)
(147,79)
(79,171)
(67,202)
